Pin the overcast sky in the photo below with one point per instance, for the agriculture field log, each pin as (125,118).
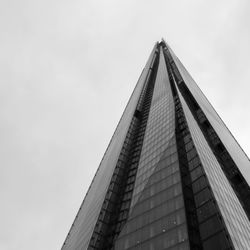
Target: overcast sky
(67,69)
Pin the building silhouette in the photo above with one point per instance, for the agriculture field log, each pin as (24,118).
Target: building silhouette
(173,176)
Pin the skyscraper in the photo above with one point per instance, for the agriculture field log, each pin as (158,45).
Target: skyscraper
(173,176)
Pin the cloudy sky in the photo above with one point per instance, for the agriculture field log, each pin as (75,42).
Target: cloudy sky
(67,69)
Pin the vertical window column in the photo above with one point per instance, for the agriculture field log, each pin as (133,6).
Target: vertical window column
(115,209)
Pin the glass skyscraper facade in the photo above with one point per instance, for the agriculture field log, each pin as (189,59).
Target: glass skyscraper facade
(173,176)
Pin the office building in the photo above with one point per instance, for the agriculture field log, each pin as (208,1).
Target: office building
(173,176)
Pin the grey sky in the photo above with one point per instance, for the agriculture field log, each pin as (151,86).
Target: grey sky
(67,69)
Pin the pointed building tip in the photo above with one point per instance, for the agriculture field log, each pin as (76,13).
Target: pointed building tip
(162,42)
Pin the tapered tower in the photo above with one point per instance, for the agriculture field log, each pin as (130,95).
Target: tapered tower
(173,176)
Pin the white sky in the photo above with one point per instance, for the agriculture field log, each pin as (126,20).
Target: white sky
(67,69)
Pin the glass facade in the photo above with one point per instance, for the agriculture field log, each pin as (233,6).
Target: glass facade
(157,216)
(83,225)
(173,176)
(232,211)
(233,214)
(236,152)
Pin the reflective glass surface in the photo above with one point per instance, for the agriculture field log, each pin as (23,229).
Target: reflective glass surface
(157,216)
(82,228)
(154,209)
(225,135)
(233,214)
